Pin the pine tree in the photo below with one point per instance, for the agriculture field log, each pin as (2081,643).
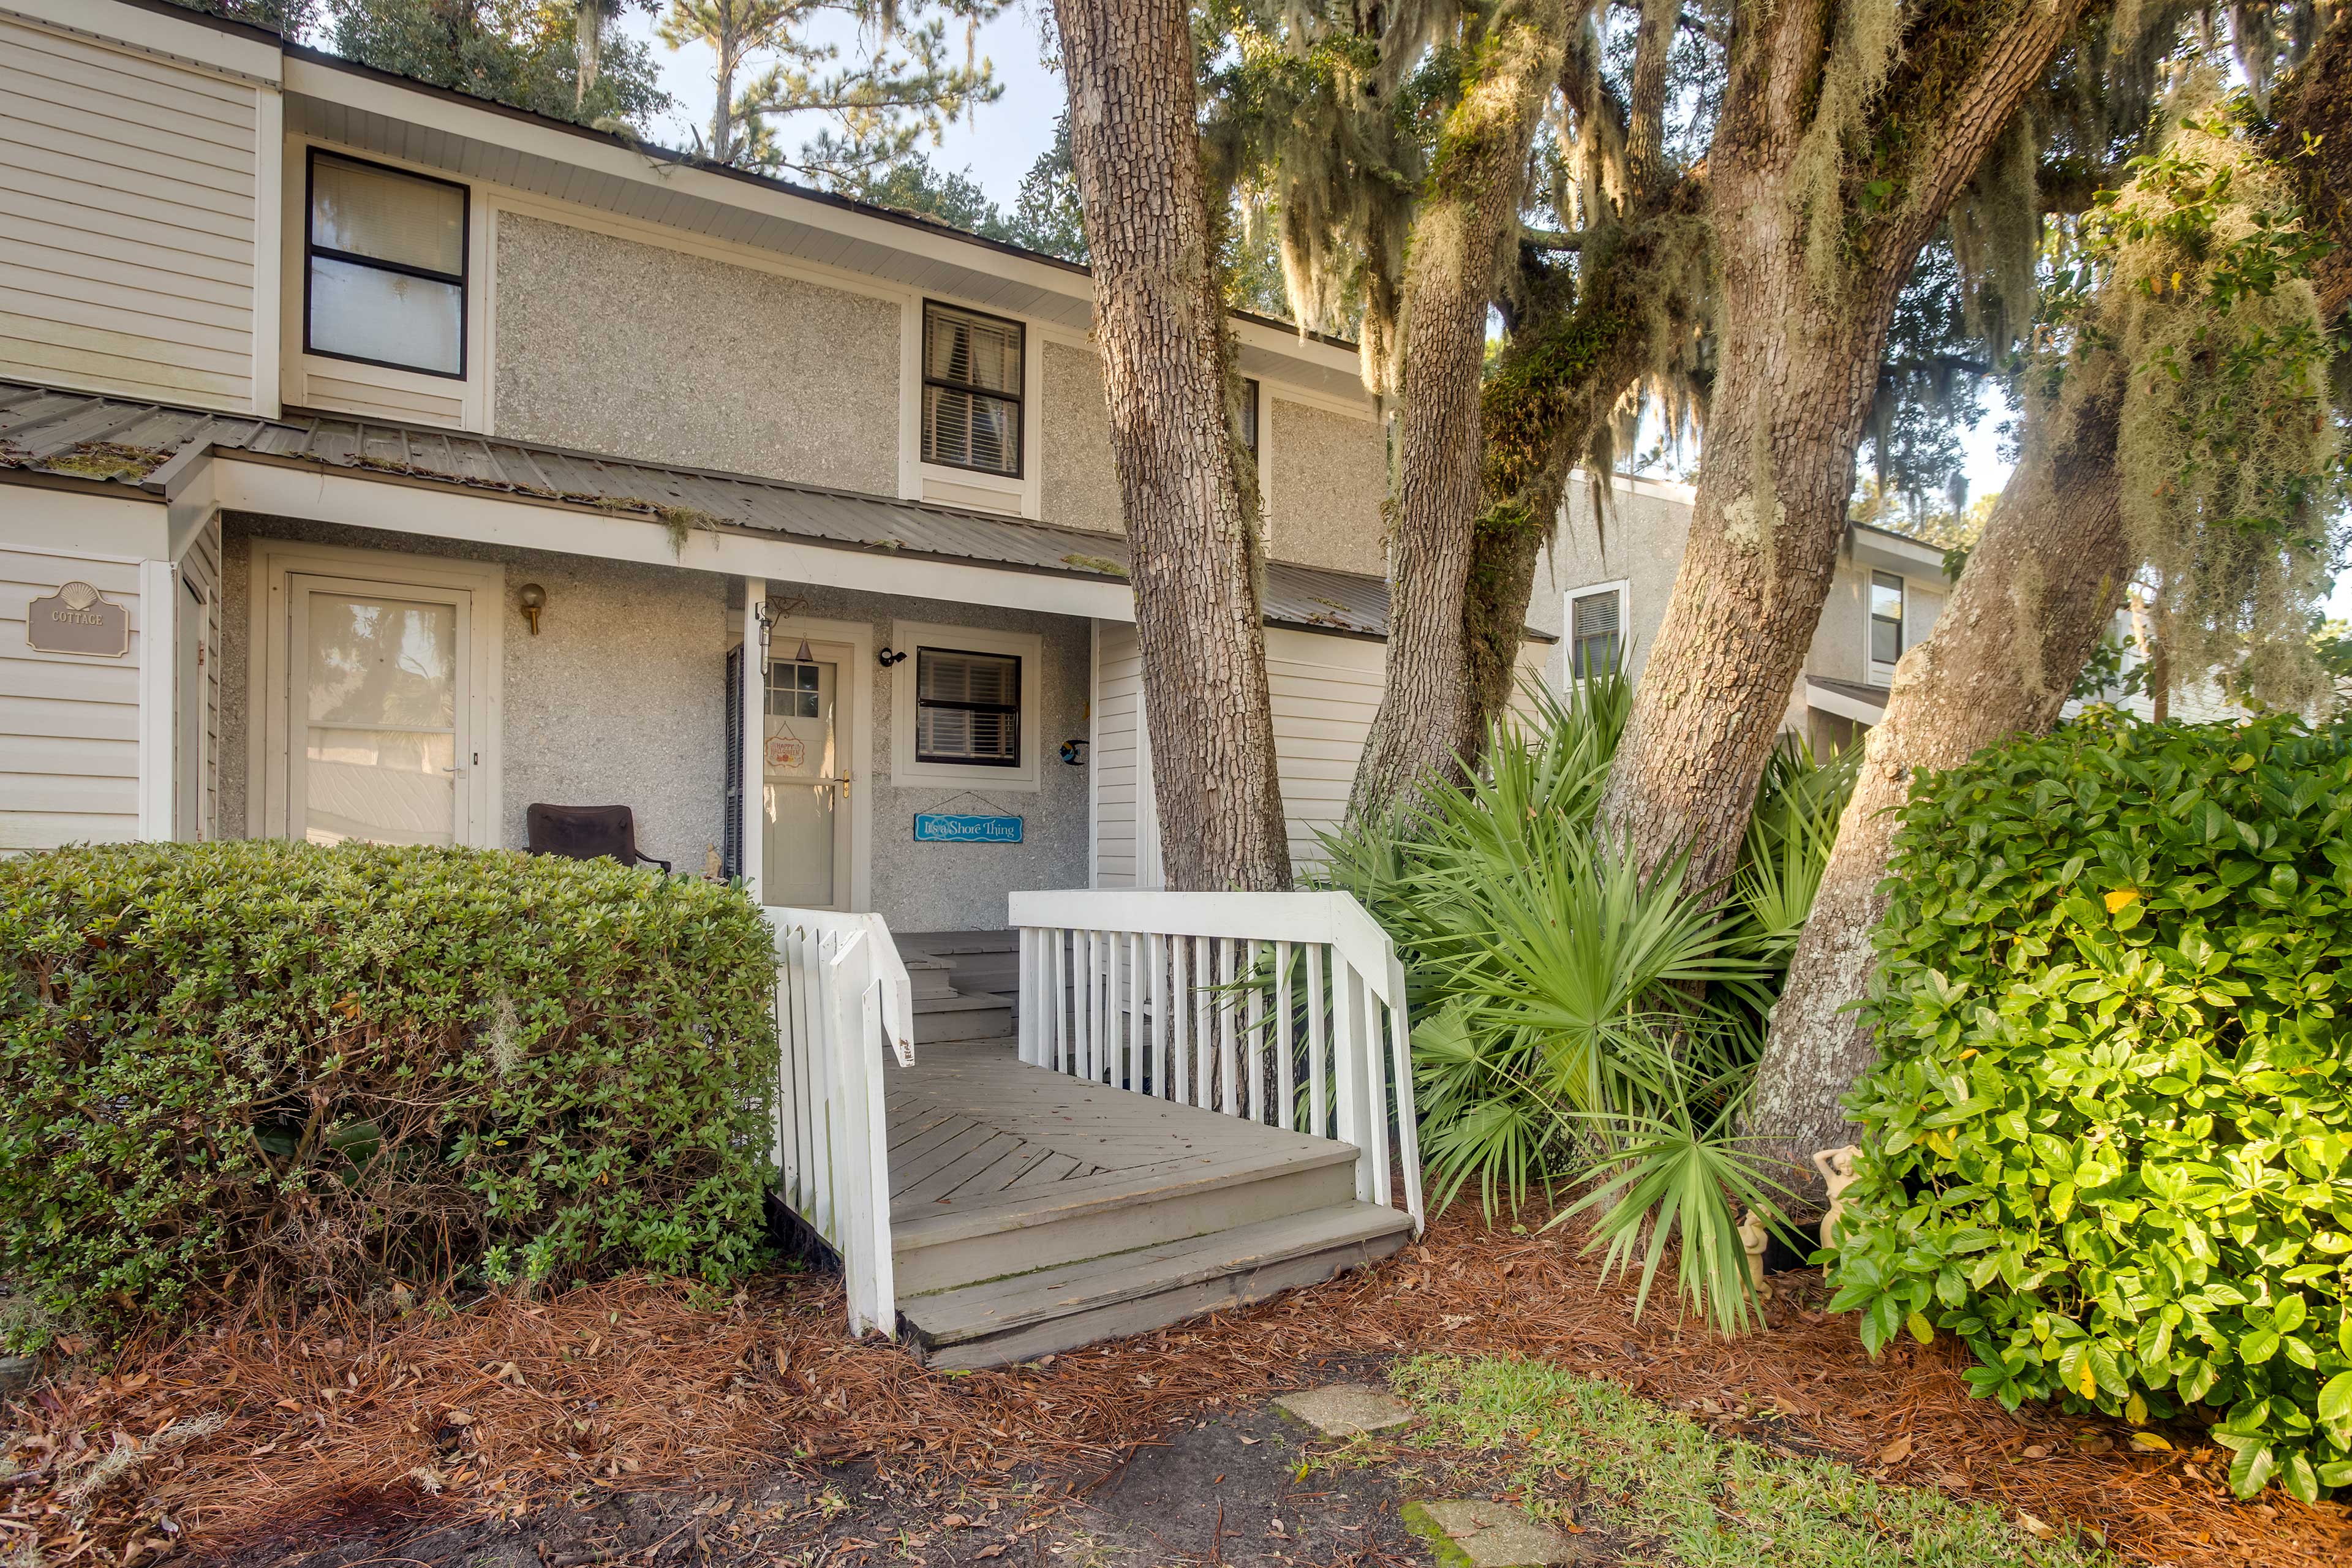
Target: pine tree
(902,87)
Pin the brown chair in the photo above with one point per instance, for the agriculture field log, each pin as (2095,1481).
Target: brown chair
(587,832)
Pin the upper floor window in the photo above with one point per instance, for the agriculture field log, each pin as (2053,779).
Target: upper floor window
(972,391)
(1595,632)
(386,260)
(967,708)
(1250,398)
(1885,624)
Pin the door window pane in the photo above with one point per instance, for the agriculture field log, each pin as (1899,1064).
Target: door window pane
(807,817)
(381,661)
(379,786)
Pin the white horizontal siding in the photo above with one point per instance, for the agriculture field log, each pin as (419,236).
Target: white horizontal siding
(1325,691)
(68,726)
(1118,755)
(127,192)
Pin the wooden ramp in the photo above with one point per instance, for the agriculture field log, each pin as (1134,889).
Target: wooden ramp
(1032,1212)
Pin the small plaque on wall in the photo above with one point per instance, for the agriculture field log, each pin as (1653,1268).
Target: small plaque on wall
(954,827)
(77,618)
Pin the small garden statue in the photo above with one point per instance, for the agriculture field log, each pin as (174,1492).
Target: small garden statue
(1836,1166)
(1754,1236)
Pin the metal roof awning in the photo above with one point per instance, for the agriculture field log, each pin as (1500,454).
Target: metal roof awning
(144,446)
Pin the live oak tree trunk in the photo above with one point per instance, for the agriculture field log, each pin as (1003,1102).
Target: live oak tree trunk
(1159,322)
(1428,720)
(2027,612)
(1799,349)
(2040,585)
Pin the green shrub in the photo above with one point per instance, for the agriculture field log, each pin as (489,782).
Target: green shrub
(232,1069)
(2106,1144)
(1579,1022)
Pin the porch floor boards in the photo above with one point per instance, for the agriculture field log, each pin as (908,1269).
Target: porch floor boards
(971,1122)
(1031,1211)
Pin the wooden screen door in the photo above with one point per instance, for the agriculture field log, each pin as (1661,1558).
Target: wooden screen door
(808,740)
(379,706)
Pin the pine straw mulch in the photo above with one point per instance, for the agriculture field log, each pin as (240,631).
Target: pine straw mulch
(219,1440)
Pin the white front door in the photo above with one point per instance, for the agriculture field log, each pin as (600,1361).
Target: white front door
(379,743)
(808,737)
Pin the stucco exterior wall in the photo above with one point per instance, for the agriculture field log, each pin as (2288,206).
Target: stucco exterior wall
(1327,482)
(619,700)
(607,345)
(1080,480)
(961,886)
(1639,542)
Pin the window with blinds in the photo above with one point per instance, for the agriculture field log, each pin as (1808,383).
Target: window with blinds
(386,267)
(1595,638)
(972,391)
(967,708)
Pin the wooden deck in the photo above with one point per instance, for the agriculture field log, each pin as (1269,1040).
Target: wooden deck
(1031,1210)
(971,1125)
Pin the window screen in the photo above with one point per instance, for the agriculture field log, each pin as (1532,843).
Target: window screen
(1594,633)
(387,267)
(972,391)
(967,708)
(1886,617)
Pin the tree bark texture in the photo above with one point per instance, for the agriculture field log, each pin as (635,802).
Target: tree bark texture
(1799,357)
(2028,611)
(1159,322)
(1472,197)
(2040,586)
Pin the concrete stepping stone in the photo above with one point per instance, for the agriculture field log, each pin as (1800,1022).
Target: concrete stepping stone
(1347,1409)
(1470,1533)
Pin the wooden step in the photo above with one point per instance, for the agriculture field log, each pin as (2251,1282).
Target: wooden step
(998,1321)
(930,977)
(940,1020)
(1026,1228)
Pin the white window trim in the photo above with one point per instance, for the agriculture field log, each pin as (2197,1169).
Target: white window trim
(940,483)
(1876,673)
(906,638)
(269,670)
(1622,587)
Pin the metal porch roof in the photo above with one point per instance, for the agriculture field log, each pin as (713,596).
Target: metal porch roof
(115,441)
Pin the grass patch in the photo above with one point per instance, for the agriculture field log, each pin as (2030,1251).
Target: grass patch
(1651,1474)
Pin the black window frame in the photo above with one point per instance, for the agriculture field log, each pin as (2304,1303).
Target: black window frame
(1902,610)
(463,280)
(1578,666)
(1020,690)
(1253,413)
(1020,400)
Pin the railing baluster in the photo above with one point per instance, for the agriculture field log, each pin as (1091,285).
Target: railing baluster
(1285,1080)
(1230,1094)
(1025,991)
(1256,1034)
(1408,1119)
(1204,1002)
(1319,1088)
(1134,1013)
(1154,983)
(1180,1020)
(1348,1060)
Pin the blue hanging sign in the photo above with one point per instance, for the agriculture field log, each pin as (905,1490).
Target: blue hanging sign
(952,827)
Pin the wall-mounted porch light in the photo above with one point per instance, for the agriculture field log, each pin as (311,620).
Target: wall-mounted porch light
(531,598)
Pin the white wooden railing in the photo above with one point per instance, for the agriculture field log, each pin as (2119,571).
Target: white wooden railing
(1286,1009)
(841,995)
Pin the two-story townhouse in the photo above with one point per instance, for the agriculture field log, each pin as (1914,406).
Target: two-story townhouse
(1611,579)
(428,459)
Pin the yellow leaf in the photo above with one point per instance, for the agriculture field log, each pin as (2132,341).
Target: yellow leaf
(2150,1443)
(1921,1329)
(2175,281)
(2122,897)
(2136,1410)
(2088,1380)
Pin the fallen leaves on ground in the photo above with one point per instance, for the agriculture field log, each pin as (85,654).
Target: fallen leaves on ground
(636,1383)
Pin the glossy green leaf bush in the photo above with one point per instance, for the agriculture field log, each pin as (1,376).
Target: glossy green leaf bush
(2107,1141)
(231,1070)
